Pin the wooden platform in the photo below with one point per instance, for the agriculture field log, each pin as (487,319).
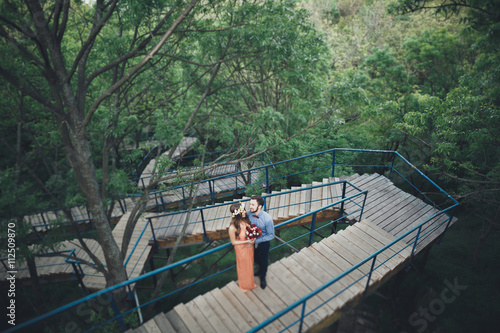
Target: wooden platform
(228,309)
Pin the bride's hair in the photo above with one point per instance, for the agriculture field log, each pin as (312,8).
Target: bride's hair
(237,218)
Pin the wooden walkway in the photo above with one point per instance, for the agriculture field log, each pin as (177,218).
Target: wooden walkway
(139,254)
(387,207)
(283,206)
(228,309)
(56,268)
(389,213)
(183,147)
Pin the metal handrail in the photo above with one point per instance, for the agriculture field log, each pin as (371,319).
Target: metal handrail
(107,291)
(373,257)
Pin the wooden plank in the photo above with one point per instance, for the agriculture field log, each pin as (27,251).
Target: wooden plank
(210,315)
(288,297)
(218,311)
(294,202)
(194,220)
(284,205)
(316,196)
(275,304)
(257,309)
(209,214)
(324,275)
(295,285)
(367,244)
(187,318)
(303,199)
(225,221)
(310,280)
(238,306)
(163,323)
(241,323)
(325,254)
(353,255)
(338,252)
(384,238)
(273,210)
(308,198)
(151,326)
(326,193)
(176,322)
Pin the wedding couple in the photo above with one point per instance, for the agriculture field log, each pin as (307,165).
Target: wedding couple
(244,247)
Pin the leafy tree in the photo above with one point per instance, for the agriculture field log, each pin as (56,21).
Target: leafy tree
(92,77)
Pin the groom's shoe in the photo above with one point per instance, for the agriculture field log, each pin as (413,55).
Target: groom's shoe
(263,283)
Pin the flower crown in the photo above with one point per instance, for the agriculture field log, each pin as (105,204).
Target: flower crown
(239,210)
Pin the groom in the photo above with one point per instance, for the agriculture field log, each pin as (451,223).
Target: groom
(265,222)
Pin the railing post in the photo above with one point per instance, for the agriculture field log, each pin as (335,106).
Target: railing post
(205,236)
(392,165)
(211,191)
(162,202)
(302,316)
(369,278)
(413,249)
(313,224)
(333,164)
(184,196)
(117,312)
(447,225)
(363,207)
(342,204)
(267,179)
(154,236)
(79,273)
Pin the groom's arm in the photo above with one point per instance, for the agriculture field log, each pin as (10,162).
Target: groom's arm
(267,229)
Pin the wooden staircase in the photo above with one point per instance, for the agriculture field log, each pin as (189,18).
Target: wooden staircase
(228,309)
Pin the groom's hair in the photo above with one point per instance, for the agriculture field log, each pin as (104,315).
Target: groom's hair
(259,199)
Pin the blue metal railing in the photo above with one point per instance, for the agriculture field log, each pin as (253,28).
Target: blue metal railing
(334,164)
(109,291)
(271,176)
(153,238)
(373,257)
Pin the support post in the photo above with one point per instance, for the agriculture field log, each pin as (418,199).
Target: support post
(267,180)
(117,312)
(313,225)
(392,165)
(333,164)
(413,249)
(205,236)
(369,277)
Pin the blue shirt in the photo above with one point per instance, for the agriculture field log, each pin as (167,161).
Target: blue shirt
(265,222)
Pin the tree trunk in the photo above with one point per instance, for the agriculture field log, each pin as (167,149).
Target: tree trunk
(80,157)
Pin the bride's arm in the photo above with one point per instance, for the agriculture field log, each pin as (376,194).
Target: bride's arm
(232,237)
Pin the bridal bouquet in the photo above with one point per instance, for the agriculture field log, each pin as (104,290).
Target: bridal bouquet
(253,232)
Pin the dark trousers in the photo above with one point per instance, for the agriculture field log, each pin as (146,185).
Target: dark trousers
(261,257)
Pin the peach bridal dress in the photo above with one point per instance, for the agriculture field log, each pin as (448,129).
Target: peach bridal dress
(244,262)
